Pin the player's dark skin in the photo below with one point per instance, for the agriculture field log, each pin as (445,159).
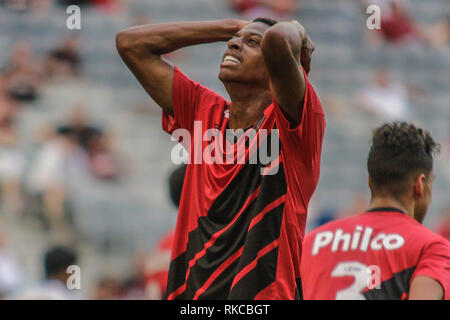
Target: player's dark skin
(270,61)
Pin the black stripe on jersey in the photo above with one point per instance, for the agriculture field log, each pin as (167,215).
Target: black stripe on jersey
(222,211)
(393,288)
(224,208)
(298,289)
(263,233)
(226,244)
(259,237)
(256,239)
(220,288)
(259,277)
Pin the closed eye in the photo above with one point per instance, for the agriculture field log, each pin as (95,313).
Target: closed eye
(253,41)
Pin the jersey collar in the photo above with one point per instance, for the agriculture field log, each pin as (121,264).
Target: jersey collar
(386,209)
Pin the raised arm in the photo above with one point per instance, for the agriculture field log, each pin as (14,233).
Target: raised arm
(286,47)
(142,47)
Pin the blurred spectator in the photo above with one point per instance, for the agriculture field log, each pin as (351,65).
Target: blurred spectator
(280,9)
(22,74)
(103,163)
(57,163)
(443,227)
(78,128)
(385,99)
(65,60)
(134,286)
(107,288)
(11,276)
(439,34)
(397,26)
(157,268)
(12,160)
(54,286)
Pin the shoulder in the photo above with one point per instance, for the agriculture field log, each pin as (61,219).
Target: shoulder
(311,98)
(422,237)
(432,238)
(181,81)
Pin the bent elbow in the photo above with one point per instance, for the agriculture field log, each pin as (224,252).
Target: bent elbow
(123,42)
(132,42)
(274,40)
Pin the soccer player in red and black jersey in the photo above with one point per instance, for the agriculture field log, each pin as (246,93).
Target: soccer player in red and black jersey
(240,223)
(385,252)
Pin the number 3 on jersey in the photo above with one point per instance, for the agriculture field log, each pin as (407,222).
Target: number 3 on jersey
(365,277)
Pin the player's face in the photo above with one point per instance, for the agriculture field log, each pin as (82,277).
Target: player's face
(243,61)
(422,204)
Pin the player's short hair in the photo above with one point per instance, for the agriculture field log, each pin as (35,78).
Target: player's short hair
(57,259)
(398,151)
(270,22)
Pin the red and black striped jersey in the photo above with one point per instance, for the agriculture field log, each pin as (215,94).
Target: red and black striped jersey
(240,223)
(373,255)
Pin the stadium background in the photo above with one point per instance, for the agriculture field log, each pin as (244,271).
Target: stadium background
(116,192)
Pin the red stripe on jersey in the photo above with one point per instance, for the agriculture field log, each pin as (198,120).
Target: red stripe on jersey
(267,209)
(252,264)
(218,271)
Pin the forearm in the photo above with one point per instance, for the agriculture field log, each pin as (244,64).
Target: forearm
(159,39)
(283,49)
(284,36)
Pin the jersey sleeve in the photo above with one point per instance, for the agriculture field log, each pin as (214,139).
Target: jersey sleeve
(302,145)
(188,99)
(435,263)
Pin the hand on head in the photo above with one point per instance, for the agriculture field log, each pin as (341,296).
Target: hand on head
(307,46)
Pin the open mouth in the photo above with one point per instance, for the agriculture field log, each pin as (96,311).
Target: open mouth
(231,60)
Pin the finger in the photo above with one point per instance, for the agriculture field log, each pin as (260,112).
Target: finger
(243,24)
(306,59)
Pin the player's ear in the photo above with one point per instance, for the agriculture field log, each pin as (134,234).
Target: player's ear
(419,186)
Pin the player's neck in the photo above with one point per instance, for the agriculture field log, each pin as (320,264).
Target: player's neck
(247,104)
(389,202)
